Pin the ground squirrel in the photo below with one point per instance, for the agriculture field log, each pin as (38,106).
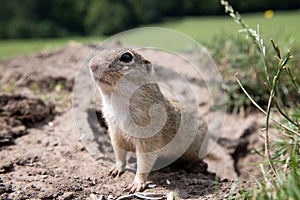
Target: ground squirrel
(140,118)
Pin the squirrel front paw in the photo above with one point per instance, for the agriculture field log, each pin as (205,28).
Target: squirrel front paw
(116,171)
(136,187)
(139,183)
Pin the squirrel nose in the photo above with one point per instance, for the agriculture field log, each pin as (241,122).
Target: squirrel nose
(93,67)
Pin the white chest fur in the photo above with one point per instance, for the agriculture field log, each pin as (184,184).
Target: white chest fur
(116,110)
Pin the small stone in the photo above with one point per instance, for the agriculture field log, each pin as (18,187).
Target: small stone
(33,186)
(93,182)
(151,185)
(93,197)
(170,196)
(168,182)
(81,148)
(209,196)
(68,195)
(55,144)
(6,167)
(44,176)
(77,188)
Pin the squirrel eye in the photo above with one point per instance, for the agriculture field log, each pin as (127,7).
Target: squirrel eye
(126,57)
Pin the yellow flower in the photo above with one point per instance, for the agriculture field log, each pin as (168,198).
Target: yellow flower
(269,14)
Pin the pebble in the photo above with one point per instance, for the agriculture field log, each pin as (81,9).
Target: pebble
(77,188)
(93,197)
(151,185)
(168,182)
(68,195)
(50,124)
(170,196)
(44,176)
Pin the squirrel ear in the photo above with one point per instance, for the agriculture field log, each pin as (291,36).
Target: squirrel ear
(146,61)
(148,65)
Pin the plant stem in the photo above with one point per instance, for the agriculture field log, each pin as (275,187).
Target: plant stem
(263,111)
(281,111)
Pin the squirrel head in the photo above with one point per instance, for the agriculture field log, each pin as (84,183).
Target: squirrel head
(109,66)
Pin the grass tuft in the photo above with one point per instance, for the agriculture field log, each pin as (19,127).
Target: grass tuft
(281,174)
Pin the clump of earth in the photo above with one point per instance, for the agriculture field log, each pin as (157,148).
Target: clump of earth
(44,157)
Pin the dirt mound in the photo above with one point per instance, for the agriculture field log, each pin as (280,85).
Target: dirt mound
(50,83)
(51,161)
(18,112)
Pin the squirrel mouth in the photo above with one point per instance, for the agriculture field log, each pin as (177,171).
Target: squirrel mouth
(103,81)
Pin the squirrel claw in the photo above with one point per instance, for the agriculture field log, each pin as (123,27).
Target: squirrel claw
(115,172)
(136,187)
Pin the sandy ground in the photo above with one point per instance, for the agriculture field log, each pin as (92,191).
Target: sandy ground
(44,155)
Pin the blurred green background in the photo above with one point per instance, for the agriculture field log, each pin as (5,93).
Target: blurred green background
(31,25)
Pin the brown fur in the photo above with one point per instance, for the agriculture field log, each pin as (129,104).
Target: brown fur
(128,132)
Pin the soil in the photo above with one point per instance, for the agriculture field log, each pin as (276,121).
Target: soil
(43,156)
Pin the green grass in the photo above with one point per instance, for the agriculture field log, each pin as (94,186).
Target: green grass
(14,47)
(280,170)
(282,26)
